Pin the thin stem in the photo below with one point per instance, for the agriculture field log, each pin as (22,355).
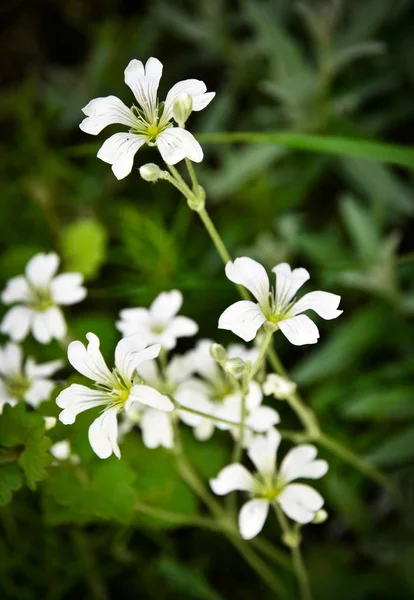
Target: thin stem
(211,417)
(192,174)
(213,233)
(297,559)
(238,447)
(178,179)
(262,354)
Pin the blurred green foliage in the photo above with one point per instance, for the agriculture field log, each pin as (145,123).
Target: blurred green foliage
(317,85)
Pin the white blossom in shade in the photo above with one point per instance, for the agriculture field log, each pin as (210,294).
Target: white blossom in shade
(62,451)
(38,295)
(159,323)
(157,427)
(217,395)
(277,306)
(50,422)
(115,391)
(270,485)
(148,122)
(278,386)
(24,380)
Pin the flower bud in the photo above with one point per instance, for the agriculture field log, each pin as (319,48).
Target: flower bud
(291,539)
(182,108)
(235,367)
(50,422)
(278,386)
(320,517)
(151,172)
(218,353)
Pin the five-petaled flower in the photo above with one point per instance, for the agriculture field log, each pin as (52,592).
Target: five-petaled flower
(115,390)
(159,323)
(29,382)
(150,122)
(220,397)
(268,486)
(277,307)
(38,295)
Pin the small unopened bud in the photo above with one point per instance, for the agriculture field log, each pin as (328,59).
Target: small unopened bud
(235,367)
(151,172)
(320,517)
(292,539)
(218,353)
(50,422)
(278,386)
(182,108)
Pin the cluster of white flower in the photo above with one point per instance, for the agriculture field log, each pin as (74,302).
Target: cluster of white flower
(208,387)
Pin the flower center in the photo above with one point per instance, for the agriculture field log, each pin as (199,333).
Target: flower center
(17,386)
(157,329)
(41,300)
(268,486)
(275,312)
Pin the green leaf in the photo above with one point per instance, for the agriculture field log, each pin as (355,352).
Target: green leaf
(361,227)
(23,432)
(83,247)
(395,450)
(190,582)
(10,481)
(357,148)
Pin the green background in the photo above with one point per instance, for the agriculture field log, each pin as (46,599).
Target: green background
(319,175)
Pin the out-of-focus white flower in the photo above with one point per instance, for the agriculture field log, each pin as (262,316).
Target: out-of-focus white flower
(149,122)
(38,294)
(156,426)
(116,390)
(50,422)
(276,307)
(62,451)
(216,395)
(269,485)
(278,386)
(29,382)
(159,323)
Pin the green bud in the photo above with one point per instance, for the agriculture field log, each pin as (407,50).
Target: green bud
(292,539)
(182,108)
(235,367)
(151,172)
(218,353)
(320,517)
(198,202)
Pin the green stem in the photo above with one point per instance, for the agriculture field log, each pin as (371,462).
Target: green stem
(297,559)
(200,413)
(238,447)
(262,354)
(192,174)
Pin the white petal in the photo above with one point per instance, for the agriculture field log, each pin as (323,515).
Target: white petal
(204,430)
(39,391)
(11,359)
(288,282)
(300,502)
(144,82)
(179,368)
(76,399)
(150,373)
(262,419)
(48,325)
(300,462)
(262,451)
(103,434)
(33,370)
(67,288)
(299,330)
(119,151)
(131,351)
(17,290)
(194,88)
(324,304)
(195,396)
(41,268)
(176,143)
(16,322)
(255,396)
(244,352)
(182,327)
(134,320)
(150,397)
(89,361)
(252,517)
(156,429)
(61,450)
(165,306)
(102,112)
(244,318)
(231,478)
(203,363)
(252,275)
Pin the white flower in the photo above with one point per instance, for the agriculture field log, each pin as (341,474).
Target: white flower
(277,307)
(116,390)
(159,322)
(29,382)
(38,295)
(298,501)
(156,426)
(148,122)
(216,395)
(278,386)
(62,451)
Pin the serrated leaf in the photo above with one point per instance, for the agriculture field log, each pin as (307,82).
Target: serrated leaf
(83,246)
(10,481)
